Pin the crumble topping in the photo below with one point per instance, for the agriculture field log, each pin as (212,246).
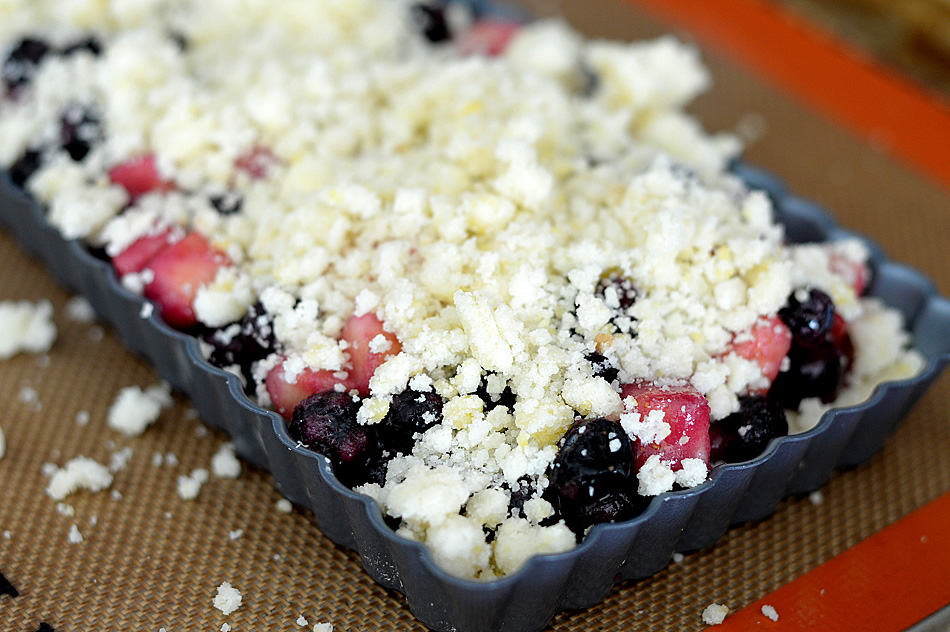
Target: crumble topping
(715,614)
(134,409)
(79,473)
(227,599)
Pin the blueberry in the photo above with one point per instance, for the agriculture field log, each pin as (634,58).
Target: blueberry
(429,18)
(602,367)
(506,398)
(592,477)
(410,412)
(620,286)
(326,423)
(744,434)
(22,61)
(89,44)
(814,371)
(80,129)
(809,317)
(228,203)
(25,166)
(244,343)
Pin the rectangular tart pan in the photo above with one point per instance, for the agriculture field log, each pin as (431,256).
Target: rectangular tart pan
(526,600)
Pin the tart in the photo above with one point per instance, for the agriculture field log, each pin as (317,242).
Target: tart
(491,273)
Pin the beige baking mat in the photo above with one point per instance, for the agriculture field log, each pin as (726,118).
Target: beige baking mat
(149,559)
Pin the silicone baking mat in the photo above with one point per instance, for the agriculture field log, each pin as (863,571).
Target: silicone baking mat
(149,559)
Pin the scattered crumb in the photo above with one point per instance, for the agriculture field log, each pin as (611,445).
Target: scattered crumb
(224,464)
(678,558)
(82,417)
(816,497)
(65,509)
(276,557)
(96,333)
(93,520)
(74,536)
(284,506)
(80,310)
(227,599)
(3,444)
(26,327)
(147,309)
(234,535)
(116,494)
(134,409)
(302,621)
(48,469)
(120,459)
(715,613)
(201,431)
(79,473)
(323,627)
(158,459)
(189,486)
(6,535)
(770,612)
(171,459)
(28,395)
(225,627)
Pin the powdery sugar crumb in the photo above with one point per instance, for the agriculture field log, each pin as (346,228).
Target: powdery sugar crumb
(224,464)
(227,599)
(79,473)
(189,486)
(715,613)
(134,409)
(323,627)
(26,327)
(74,536)
(302,621)
(284,506)
(770,612)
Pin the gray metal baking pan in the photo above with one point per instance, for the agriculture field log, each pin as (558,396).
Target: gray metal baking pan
(527,600)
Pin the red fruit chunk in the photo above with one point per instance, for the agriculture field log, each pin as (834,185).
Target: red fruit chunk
(285,395)
(487,37)
(139,176)
(142,250)
(179,270)
(257,162)
(687,412)
(358,332)
(852,272)
(767,344)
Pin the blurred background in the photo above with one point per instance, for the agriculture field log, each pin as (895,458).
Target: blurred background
(911,36)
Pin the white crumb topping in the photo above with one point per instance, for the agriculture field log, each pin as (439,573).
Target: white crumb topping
(134,409)
(816,497)
(715,613)
(74,536)
(189,486)
(78,473)
(323,627)
(227,599)
(284,506)
(655,476)
(119,459)
(692,473)
(27,327)
(224,464)
(302,621)
(82,418)
(770,612)
(517,539)
(80,310)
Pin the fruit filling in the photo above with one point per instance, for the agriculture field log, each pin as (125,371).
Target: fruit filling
(491,271)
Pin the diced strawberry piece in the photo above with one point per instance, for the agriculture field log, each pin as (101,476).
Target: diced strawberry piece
(142,250)
(139,176)
(179,270)
(487,37)
(359,332)
(285,395)
(854,273)
(257,162)
(767,344)
(687,412)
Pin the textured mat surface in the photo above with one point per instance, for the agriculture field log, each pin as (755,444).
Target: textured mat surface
(149,559)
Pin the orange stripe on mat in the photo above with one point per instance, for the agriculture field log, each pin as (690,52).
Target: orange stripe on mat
(880,105)
(886,583)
